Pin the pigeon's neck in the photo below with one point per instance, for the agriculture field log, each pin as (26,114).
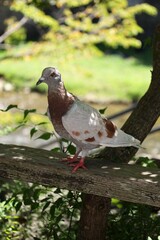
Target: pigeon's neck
(59,89)
(59,102)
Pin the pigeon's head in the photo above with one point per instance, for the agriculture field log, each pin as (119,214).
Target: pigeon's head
(51,76)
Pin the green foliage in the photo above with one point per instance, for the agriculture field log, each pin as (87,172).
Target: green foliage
(33,211)
(87,22)
(34,13)
(133,221)
(25,120)
(102,80)
(17,37)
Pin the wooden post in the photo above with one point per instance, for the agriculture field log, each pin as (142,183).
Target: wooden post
(93,223)
(139,125)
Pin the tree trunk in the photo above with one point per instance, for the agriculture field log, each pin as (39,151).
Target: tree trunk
(139,125)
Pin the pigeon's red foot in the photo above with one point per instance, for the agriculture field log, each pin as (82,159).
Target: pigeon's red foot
(73,159)
(80,164)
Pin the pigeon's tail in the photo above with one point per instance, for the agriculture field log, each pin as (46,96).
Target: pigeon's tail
(122,139)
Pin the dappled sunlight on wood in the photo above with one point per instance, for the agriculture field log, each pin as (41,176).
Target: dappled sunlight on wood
(122,181)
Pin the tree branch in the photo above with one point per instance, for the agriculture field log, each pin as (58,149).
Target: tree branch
(143,118)
(13,29)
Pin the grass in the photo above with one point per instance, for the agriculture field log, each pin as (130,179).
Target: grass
(110,77)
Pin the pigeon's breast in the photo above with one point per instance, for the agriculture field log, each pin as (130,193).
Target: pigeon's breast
(58,106)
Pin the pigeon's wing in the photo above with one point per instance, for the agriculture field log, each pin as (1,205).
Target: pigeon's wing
(85,124)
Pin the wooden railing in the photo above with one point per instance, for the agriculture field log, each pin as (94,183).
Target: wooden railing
(132,183)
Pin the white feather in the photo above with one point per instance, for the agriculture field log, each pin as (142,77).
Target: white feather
(80,118)
(83,122)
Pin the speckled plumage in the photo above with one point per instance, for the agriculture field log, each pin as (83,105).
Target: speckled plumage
(78,122)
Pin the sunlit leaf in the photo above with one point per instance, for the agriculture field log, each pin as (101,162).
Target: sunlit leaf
(42,123)
(27,111)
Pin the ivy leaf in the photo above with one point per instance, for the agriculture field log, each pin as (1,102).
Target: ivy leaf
(27,111)
(102,111)
(9,107)
(45,136)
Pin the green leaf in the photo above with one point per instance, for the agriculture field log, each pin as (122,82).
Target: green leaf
(70,195)
(46,206)
(34,205)
(33,131)
(45,136)
(27,201)
(27,111)
(57,149)
(102,111)
(9,107)
(46,199)
(37,193)
(41,123)
(18,206)
(58,202)
(71,149)
(57,191)
(52,211)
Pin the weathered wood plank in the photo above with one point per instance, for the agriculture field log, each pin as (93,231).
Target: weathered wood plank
(127,182)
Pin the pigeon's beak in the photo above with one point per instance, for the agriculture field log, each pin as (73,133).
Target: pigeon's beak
(40,81)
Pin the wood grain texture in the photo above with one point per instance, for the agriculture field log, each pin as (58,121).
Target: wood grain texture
(127,182)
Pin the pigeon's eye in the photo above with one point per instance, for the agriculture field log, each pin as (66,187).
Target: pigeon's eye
(52,74)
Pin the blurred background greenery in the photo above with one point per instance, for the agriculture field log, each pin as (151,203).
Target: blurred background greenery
(100,47)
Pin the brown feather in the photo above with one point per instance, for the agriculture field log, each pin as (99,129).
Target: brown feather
(59,102)
(110,128)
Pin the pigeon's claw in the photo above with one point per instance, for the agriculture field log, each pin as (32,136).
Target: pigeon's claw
(80,164)
(73,159)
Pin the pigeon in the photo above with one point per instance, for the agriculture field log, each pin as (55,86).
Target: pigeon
(78,122)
